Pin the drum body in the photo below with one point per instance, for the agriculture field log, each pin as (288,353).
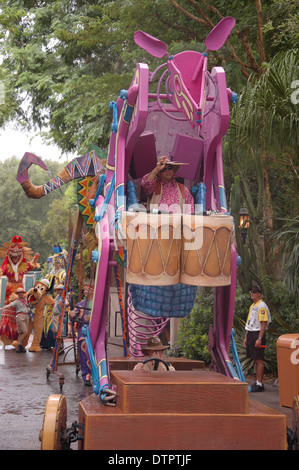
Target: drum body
(153,243)
(206,250)
(167,249)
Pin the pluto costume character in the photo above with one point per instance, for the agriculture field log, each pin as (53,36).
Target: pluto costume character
(38,298)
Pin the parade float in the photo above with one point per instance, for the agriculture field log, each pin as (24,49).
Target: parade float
(180,110)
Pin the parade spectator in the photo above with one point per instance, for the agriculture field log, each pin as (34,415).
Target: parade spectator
(22,309)
(81,315)
(57,307)
(255,339)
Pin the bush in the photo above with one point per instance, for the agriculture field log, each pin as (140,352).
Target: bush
(193,335)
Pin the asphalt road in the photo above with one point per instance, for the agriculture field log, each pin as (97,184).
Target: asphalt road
(25,387)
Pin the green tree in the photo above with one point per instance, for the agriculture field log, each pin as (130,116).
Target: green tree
(263,28)
(22,216)
(56,232)
(68,60)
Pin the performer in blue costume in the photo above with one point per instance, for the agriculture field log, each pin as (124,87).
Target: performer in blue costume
(81,315)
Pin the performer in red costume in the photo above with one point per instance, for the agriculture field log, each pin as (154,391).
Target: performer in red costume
(17,262)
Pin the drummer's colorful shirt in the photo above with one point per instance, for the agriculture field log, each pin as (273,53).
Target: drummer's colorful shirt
(258,312)
(170,195)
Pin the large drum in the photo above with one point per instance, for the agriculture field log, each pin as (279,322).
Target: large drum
(206,250)
(153,243)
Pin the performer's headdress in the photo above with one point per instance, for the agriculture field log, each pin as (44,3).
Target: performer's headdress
(16,244)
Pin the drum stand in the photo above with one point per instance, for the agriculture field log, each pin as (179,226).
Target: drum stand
(65,350)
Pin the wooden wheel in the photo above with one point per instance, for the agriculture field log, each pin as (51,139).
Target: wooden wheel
(295,422)
(54,423)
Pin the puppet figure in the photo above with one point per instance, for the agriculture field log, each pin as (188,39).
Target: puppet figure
(18,261)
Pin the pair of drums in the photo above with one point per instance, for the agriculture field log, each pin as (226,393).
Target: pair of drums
(167,249)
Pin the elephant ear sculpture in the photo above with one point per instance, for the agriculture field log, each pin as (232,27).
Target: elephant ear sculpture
(86,165)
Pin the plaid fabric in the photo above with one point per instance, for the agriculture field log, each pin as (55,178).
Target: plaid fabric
(163,301)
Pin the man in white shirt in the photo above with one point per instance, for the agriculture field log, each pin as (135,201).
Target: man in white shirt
(22,317)
(255,339)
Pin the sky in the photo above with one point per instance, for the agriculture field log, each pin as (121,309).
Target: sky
(16,143)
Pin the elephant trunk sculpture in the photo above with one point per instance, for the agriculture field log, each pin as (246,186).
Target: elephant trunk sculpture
(86,165)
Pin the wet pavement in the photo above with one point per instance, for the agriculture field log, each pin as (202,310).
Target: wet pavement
(25,387)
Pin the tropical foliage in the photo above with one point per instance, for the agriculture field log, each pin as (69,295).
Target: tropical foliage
(288,238)
(265,126)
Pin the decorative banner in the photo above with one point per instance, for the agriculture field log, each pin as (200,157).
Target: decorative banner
(83,187)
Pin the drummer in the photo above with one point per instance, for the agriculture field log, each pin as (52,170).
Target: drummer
(164,191)
(154,349)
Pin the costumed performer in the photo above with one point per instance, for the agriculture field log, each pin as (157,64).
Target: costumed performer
(164,192)
(81,315)
(58,273)
(57,309)
(17,262)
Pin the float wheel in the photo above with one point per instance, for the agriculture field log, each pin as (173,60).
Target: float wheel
(54,423)
(295,422)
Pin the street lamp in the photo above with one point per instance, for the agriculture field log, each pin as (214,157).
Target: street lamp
(243,223)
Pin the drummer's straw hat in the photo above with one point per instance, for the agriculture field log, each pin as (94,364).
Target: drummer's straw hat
(174,163)
(154,344)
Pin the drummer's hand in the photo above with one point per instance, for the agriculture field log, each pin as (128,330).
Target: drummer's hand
(159,167)
(161,164)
